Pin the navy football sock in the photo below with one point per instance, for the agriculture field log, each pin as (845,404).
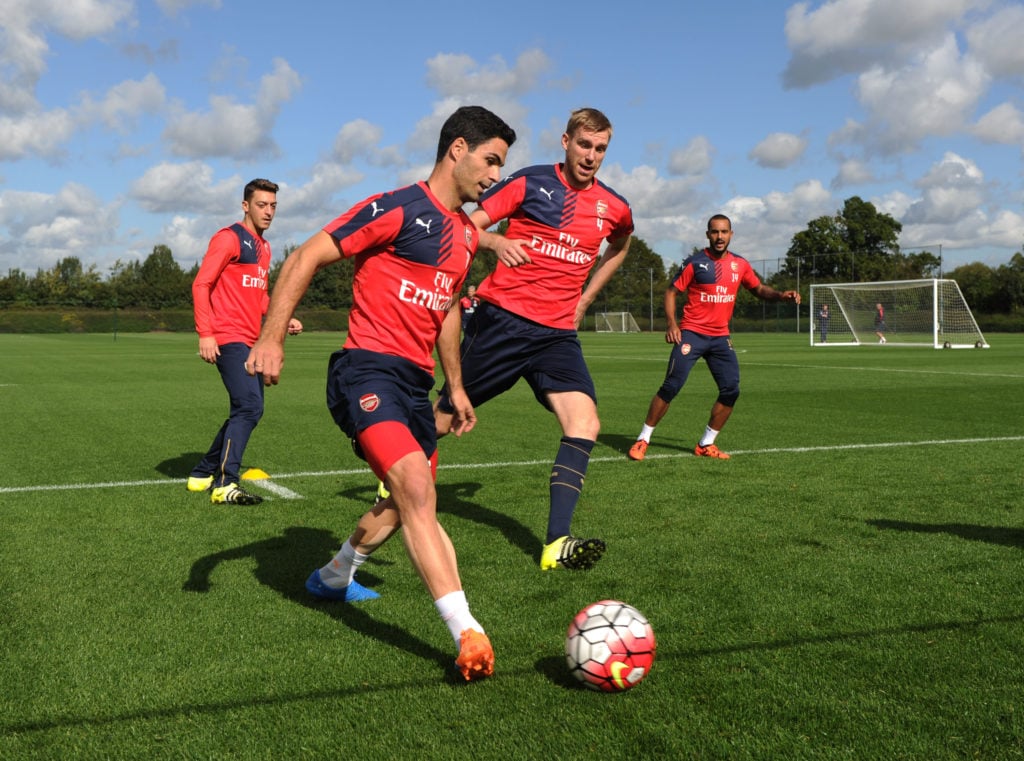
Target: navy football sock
(566,484)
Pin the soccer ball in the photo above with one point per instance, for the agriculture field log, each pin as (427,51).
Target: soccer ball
(610,646)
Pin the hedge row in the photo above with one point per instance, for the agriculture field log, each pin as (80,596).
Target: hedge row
(69,320)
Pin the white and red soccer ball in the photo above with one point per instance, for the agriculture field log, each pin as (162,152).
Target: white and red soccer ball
(610,646)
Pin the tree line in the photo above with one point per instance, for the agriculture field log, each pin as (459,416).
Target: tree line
(856,244)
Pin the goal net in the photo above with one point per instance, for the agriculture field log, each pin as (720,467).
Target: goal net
(929,312)
(616,322)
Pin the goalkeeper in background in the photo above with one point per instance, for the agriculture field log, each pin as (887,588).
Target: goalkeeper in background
(710,279)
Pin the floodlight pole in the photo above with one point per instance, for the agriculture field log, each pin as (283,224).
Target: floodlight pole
(650,272)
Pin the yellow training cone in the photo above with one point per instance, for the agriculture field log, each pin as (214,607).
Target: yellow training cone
(255,474)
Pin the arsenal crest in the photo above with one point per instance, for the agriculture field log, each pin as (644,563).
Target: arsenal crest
(369,402)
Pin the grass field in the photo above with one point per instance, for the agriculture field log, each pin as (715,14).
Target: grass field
(847,586)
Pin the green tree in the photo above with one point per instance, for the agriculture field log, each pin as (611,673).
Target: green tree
(858,243)
(638,286)
(977,283)
(918,265)
(1010,285)
(163,282)
(68,284)
(330,288)
(14,289)
(125,284)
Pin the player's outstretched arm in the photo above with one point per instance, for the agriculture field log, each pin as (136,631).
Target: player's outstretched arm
(767,293)
(464,418)
(612,258)
(267,354)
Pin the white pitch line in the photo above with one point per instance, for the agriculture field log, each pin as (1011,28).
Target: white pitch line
(619,458)
(270,486)
(844,368)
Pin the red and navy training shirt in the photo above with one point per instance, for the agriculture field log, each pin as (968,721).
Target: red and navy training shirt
(565,229)
(229,293)
(712,285)
(411,258)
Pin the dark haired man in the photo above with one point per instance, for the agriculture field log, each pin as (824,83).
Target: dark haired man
(413,248)
(229,296)
(710,279)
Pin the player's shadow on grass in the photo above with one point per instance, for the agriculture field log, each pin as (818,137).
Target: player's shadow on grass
(621,443)
(284,562)
(180,466)
(457,499)
(1009,537)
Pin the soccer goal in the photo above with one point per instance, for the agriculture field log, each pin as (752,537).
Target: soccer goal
(928,312)
(616,322)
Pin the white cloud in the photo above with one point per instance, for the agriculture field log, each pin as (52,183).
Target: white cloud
(1003,124)
(852,36)
(187,187)
(779,150)
(695,158)
(71,222)
(453,75)
(460,80)
(360,140)
(852,172)
(235,130)
(313,201)
(953,210)
(996,41)
(188,237)
(26,128)
(124,102)
(24,48)
(41,134)
(934,95)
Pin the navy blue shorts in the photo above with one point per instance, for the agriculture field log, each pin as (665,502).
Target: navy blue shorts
(500,347)
(717,351)
(365,388)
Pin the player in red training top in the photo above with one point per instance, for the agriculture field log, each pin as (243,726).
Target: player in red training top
(530,306)
(468,304)
(710,279)
(412,249)
(229,296)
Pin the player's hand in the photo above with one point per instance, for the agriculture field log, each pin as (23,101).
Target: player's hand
(581,312)
(464,417)
(673,334)
(266,358)
(294,327)
(208,349)
(793,296)
(512,253)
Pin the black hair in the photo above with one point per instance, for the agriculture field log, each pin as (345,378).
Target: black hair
(258,184)
(476,125)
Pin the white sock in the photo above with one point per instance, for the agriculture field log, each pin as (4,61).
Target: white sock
(710,434)
(645,433)
(339,572)
(455,613)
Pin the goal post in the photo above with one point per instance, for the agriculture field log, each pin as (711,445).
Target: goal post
(616,322)
(927,312)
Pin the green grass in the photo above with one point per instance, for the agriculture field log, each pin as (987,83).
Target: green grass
(847,586)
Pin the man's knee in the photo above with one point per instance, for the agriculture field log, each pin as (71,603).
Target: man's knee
(727,396)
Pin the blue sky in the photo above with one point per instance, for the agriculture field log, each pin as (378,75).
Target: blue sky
(125,125)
